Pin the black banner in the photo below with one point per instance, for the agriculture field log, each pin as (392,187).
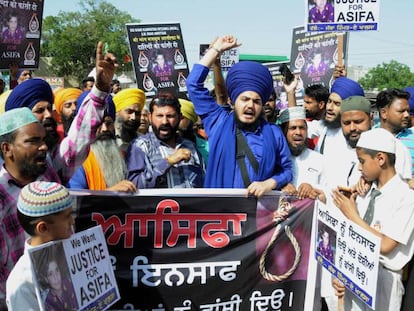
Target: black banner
(212,252)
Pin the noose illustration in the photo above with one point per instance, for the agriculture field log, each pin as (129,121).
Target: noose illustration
(284,206)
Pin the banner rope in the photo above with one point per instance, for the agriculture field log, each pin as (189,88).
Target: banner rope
(283,206)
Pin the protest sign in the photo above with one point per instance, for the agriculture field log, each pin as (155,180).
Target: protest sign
(278,84)
(227,60)
(342,15)
(159,57)
(314,56)
(207,249)
(349,252)
(75,273)
(20,33)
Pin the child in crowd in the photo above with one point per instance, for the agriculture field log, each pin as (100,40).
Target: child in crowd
(387,211)
(45,213)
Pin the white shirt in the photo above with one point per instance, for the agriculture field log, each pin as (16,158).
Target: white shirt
(394,214)
(20,291)
(307,168)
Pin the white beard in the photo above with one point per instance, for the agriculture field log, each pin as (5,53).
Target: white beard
(110,160)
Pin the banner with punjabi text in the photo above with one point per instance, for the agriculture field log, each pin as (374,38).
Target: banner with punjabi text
(207,249)
(20,30)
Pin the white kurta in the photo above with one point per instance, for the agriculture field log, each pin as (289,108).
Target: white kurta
(394,217)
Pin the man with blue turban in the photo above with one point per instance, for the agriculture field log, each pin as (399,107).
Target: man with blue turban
(245,150)
(36,95)
(25,153)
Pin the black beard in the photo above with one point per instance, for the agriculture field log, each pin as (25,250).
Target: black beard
(334,124)
(129,130)
(32,170)
(297,150)
(249,127)
(67,121)
(173,132)
(105,135)
(128,134)
(52,136)
(351,143)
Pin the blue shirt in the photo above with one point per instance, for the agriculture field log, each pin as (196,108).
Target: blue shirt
(267,143)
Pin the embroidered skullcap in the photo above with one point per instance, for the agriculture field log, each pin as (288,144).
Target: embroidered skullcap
(41,198)
(292,113)
(64,95)
(14,119)
(249,76)
(187,110)
(358,103)
(128,97)
(377,139)
(345,88)
(410,90)
(29,93)
(3,98)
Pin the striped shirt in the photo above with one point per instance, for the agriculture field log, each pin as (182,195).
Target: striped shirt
(63,161)
(148,167)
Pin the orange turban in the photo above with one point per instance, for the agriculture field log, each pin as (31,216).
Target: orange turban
(63,95)
(128,97)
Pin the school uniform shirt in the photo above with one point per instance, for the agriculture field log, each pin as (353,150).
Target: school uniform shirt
(394,217)
(21,293)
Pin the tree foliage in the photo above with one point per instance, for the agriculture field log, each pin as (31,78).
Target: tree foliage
(388,75)
(71,37)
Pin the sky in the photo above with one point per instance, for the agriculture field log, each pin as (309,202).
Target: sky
(265,26)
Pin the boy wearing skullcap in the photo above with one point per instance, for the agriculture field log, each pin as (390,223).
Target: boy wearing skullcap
(264,163)
(385,211)
(128,106)
(23,146)
(44,210)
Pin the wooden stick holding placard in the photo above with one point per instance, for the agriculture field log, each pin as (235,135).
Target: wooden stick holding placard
(340,48)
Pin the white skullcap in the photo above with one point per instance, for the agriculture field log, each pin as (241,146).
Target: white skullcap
(292,113)
(377,139)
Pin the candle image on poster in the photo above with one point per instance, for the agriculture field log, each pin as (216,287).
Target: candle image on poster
(21,23)
(314,56)
(159,57)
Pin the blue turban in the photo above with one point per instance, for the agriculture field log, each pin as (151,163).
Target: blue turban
(110,107)
(249,76)
(80,100)
(410,90)
(29,93)
(345,88)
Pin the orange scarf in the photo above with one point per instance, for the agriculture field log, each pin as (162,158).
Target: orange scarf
(93,172)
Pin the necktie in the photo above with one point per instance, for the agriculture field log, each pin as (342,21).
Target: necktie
(369,214)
